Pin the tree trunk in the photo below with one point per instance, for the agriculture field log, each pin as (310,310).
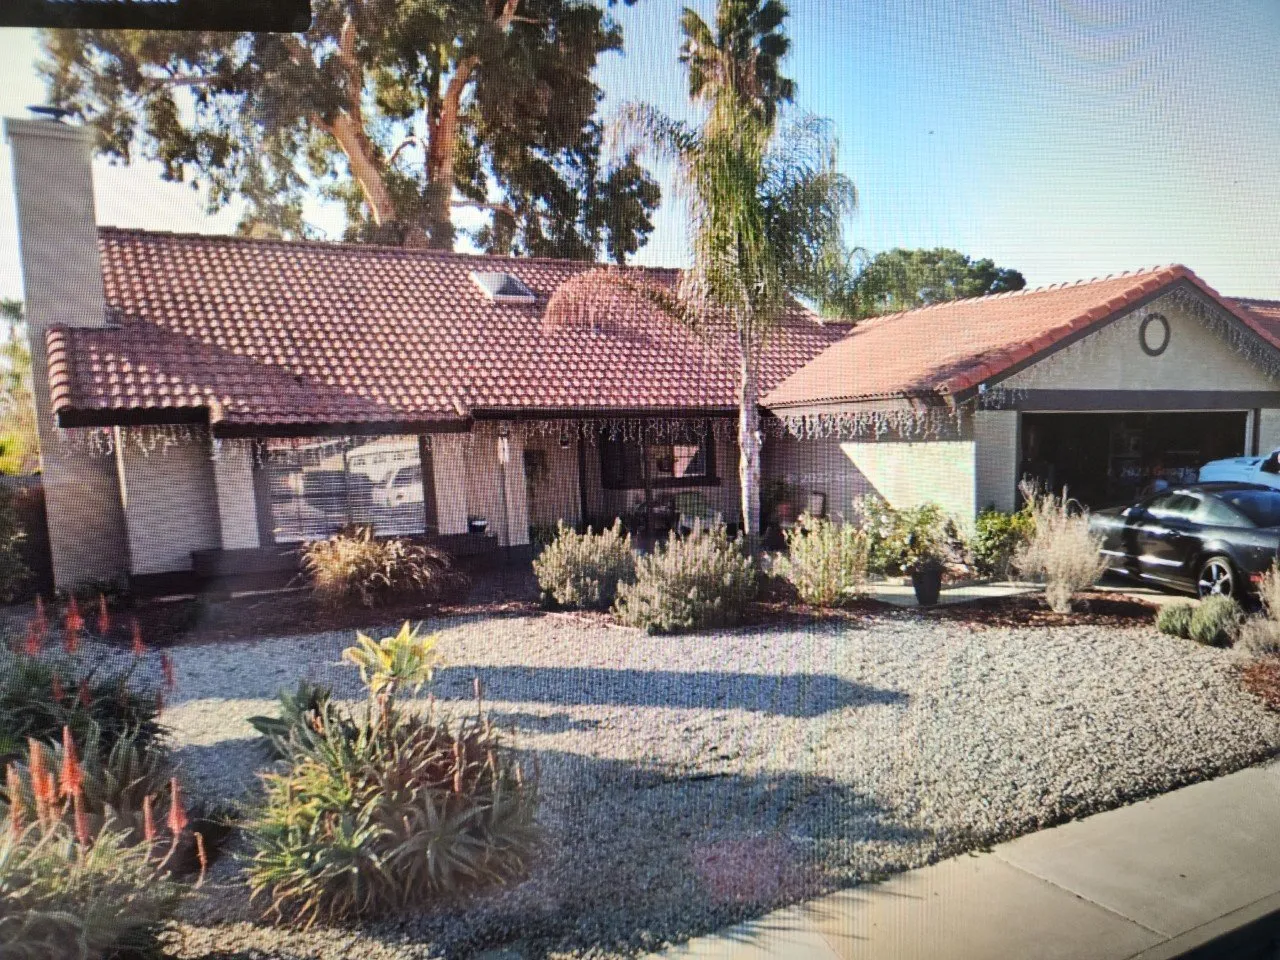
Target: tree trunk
(442,155)
(749,438)
(362,158)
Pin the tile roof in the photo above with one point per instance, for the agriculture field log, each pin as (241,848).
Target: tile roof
(948,348)
(285,334)
(1265,315)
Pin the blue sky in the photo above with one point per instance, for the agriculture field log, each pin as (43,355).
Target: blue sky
(1066,138)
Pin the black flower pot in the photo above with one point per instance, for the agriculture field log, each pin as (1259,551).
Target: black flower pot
(927,582)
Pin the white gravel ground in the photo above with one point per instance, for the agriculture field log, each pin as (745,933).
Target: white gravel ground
(689,781)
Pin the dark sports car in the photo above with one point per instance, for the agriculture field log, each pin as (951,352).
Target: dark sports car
(1210,538)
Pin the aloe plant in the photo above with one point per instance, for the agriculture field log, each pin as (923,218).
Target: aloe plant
(383,810)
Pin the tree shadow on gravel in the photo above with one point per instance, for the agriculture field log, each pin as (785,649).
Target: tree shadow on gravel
(803,695)
(634,857)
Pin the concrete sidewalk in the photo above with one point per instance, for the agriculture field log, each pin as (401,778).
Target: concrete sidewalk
(1151,880)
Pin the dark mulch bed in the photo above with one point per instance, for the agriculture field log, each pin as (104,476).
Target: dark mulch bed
(1262,679)
(514,592)
(1095,608)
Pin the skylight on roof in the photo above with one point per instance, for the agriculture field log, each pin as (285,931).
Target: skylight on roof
(502,287)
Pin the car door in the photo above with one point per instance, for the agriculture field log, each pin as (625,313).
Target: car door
(1167,537)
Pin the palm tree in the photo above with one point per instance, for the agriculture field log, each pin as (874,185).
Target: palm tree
(765,210)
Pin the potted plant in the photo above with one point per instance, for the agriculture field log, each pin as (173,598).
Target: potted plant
(924,551)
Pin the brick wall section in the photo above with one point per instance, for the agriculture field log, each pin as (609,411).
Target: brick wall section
(62,280)
(904,471)
(170,503)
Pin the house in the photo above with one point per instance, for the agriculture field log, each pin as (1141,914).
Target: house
(208,403)
(1091,385)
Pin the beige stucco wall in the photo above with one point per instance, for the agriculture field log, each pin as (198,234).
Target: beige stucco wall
(449,474)
(995,435)
(1112,359)
(62,284)
(1268,431)
(904,471)
(486,478)
(170,503)
(554,497)
(233,488)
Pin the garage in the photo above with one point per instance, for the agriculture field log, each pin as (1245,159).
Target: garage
(1105,459)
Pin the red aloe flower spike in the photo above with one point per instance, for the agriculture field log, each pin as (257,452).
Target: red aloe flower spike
(139,648)
(82,820)
(104,618)
(58,690)
(201,856)
(83,695)
(177,821)
(17,803)
(74,623)
(166,665)
(41,621)
(159,702)
(148,820)
(72,774)
(32,645)
(42,786)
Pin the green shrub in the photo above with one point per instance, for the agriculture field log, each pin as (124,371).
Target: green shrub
(1216,622)
(355,565)
(826,561)
(44,690)
(702,580)
(899,541)
(997,538)
(383,811)
(1062,552)
(881,524)
(583,571)
(1174,619)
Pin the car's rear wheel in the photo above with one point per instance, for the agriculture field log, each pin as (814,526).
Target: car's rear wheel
(1217,578)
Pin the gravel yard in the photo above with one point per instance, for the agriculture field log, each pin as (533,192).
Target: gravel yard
(689,781)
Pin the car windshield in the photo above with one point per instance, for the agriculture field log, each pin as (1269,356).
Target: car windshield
(1261,507)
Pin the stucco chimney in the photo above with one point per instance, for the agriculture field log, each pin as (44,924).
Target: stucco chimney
(57,228)
(62,278)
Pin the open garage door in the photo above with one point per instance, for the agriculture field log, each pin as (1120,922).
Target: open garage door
(1109,458)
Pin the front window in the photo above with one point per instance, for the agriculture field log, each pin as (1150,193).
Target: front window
(629,465)
(318,486)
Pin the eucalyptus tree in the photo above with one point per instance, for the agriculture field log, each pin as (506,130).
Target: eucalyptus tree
(766,206)
(401,110)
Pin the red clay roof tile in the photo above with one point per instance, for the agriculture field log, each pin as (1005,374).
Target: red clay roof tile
(278,333)
(948,348)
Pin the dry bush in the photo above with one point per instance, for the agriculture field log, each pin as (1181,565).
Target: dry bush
(354,565)
(1061,552)
(826,561)
(1260,634)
